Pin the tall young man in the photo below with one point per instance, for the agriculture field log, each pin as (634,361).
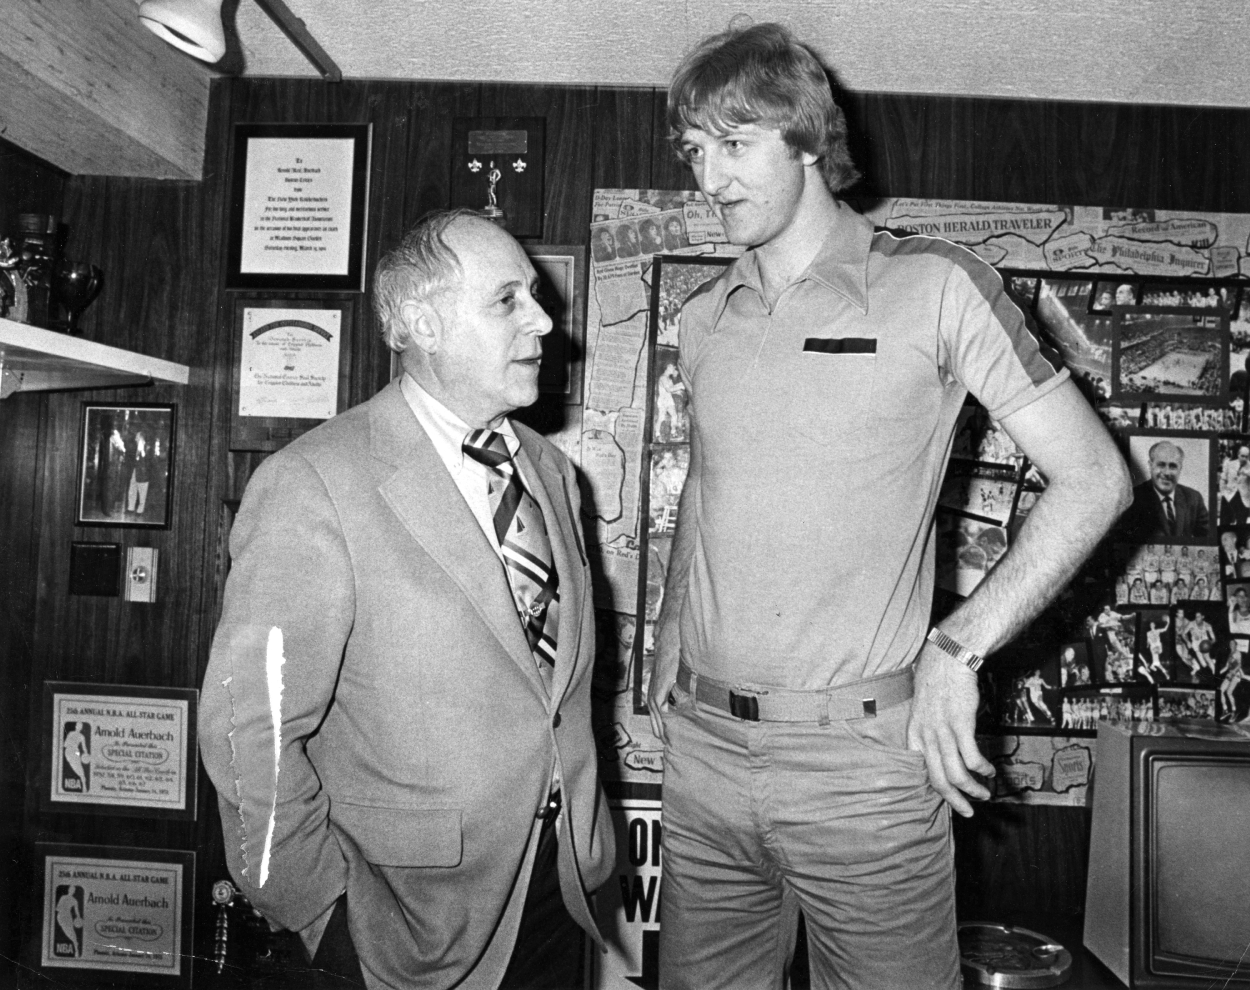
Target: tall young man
(816,731)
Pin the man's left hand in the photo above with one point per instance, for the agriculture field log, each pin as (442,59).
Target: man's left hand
(942,727)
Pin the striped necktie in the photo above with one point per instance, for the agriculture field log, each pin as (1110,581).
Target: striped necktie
(1170,513)
(524,543)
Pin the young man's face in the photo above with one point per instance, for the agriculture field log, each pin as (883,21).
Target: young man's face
(751,179)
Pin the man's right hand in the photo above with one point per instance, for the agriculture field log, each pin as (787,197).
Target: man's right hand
(663,677)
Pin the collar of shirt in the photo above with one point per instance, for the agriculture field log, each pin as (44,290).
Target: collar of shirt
(1163,499)
(447,431)
(841,264)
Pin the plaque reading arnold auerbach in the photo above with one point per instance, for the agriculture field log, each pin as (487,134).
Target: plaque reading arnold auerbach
(120,750)
(116,910)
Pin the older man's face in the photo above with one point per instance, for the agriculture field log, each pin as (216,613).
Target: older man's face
(1165,468)
(490,343)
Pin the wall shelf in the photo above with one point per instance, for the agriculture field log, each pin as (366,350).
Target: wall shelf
(33,359)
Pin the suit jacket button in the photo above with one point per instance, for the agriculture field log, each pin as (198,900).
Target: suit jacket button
(555,722)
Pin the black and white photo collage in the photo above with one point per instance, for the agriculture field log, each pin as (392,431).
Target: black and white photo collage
(1158,623)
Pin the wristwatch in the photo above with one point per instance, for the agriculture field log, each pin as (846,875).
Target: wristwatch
(951,648)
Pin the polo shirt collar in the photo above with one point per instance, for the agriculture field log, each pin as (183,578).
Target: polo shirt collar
(841,264)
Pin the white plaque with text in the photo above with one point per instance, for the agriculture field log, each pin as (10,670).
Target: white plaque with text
(122,751)
(289,363)
(297,208)
(115,915)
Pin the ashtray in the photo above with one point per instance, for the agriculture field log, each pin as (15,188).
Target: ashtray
(993,955)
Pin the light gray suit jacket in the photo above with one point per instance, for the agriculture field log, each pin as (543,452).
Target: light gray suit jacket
(415,737)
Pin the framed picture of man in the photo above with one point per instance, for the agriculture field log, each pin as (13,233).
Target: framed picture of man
(1171,489)
(126,465)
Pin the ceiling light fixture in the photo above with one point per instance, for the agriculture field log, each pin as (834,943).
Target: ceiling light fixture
(195,27)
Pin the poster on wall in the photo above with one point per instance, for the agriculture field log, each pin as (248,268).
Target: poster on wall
(122,750)
(628,905)
(115,914)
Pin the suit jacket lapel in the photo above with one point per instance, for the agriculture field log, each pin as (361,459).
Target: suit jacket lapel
(548,484)
(427,501)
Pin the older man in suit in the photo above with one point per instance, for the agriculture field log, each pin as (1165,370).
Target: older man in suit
(1163,508)
(396,713)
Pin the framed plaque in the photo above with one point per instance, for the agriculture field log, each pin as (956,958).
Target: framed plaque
(115,916)
(497,165)
(298,206)
(291,368)
(119,750)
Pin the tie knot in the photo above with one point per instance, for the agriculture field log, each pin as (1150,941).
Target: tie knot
(487,447)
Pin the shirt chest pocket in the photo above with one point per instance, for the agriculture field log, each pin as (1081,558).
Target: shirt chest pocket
(833,382)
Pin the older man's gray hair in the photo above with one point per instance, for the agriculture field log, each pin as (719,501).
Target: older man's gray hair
(420,267)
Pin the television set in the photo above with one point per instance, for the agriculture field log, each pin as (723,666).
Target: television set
(1167,903)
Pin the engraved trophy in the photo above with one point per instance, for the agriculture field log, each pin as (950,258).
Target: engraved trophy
(492,211)
(75,287)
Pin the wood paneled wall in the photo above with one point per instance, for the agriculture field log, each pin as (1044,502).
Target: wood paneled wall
(27,185)
(161,245)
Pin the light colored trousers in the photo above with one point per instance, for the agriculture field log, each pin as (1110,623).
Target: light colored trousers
(764,819)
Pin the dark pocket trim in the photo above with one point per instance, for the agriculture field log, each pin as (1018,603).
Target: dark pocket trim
(841,345)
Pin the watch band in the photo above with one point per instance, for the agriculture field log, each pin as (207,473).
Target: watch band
(951,648)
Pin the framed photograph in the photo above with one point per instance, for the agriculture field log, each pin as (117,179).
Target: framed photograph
(1025,696)
(126,465)
(1198,294)
(1172,484)
(119,750)
(298,202)
(112,915)
(562,276)
(1081,336)
(1187,702)
(1085,707)
(1111,293)
(291,368)
(1160,354)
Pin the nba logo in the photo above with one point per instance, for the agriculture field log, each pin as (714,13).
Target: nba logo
(67,936)
(76,757)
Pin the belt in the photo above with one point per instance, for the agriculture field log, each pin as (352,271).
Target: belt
(860,699)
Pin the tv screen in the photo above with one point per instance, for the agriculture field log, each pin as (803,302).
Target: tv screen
(1200,848)
(1168,897)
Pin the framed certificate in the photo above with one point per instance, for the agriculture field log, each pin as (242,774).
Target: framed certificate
(115,916)
(298,202)
(119,750)
(291,368)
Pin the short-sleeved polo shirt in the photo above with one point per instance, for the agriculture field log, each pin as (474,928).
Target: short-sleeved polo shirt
(824,427)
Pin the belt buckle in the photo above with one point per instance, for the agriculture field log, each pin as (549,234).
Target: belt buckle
(744,706)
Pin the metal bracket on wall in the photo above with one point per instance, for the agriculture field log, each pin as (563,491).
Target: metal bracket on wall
(298,32)
(10,380)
